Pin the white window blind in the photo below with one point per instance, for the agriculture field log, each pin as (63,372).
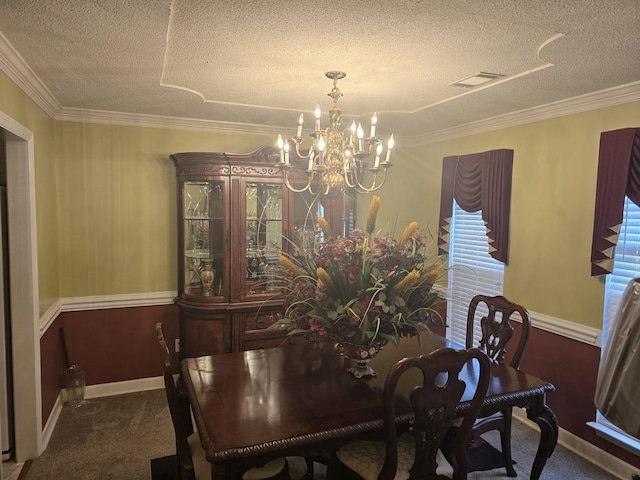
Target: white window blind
(472,271)
(626,267)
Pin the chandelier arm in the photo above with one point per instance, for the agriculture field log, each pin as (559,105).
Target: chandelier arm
(346,178)
(291,187)
(310,190)
(362,189)
(297,143)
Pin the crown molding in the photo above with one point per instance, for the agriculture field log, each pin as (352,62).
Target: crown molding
(12,63)
(14,66)
(66,114)
(592,101)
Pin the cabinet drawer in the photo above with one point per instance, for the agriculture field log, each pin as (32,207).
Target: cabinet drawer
(203,333)
(260,321)
(256,342)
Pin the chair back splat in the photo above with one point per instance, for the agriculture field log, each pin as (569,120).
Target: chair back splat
(435,402)
(496,327)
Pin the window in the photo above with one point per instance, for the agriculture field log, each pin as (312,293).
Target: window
(626,265)
(472,270)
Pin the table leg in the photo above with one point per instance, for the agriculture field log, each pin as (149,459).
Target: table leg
(309,474)
(225,471)
(548,424)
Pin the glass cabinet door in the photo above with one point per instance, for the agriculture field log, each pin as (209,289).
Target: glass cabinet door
(306,233)
(338,212)
(204,234)
(264,231)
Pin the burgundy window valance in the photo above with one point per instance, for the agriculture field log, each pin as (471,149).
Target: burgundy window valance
(618,175)
(478,181)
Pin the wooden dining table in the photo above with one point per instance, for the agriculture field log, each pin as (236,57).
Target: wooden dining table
(254,406)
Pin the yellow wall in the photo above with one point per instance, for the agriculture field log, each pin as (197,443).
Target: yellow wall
(18,106)
(106,202)
(554,181)
(117,204)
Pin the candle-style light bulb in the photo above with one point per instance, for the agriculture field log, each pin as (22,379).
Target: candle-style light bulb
(360,137)
(376,163)
(317,115)
(310,161)
(321,149)
(286,153)
(280,144)
(390,144)
(300,122)
(374,121)
(353,129)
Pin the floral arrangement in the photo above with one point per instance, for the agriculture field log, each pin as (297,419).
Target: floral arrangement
(363,288)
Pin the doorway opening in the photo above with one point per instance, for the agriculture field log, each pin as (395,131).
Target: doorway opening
(23,278)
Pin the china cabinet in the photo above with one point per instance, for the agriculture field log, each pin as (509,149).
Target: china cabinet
(235,218)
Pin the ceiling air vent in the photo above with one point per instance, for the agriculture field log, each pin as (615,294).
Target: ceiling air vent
(476,80)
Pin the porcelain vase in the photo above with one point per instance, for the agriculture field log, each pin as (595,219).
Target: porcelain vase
(359,357)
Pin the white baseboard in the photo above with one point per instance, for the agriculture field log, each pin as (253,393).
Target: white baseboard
(119,388)
(47,431)
(588,451)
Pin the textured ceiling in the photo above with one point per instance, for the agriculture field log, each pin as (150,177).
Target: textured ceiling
(258,64)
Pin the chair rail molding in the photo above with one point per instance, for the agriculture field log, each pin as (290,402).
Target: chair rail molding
(103,302)
(572,330)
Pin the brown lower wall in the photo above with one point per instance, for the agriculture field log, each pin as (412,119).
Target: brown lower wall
(120,344)
(572,367)
(112,345)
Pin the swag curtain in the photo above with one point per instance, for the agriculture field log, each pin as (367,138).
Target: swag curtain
(479,181)
(618,175)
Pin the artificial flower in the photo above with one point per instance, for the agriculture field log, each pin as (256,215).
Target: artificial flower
(362,288)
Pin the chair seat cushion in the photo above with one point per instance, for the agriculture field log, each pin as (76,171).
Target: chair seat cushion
(268,470)
(366,457)
(203,468)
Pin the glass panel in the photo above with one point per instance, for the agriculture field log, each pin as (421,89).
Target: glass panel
(204,238)
(348,214)
(306,210)
(263,236)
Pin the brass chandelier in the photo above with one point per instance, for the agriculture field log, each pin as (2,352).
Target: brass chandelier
(336,159)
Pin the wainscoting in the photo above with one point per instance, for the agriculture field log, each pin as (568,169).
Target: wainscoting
(113,338)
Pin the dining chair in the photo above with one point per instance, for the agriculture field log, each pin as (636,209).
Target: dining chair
(433,400)
(191,463)
(498,332)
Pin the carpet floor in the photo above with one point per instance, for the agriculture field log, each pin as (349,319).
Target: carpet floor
(115,438)
(481,458)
